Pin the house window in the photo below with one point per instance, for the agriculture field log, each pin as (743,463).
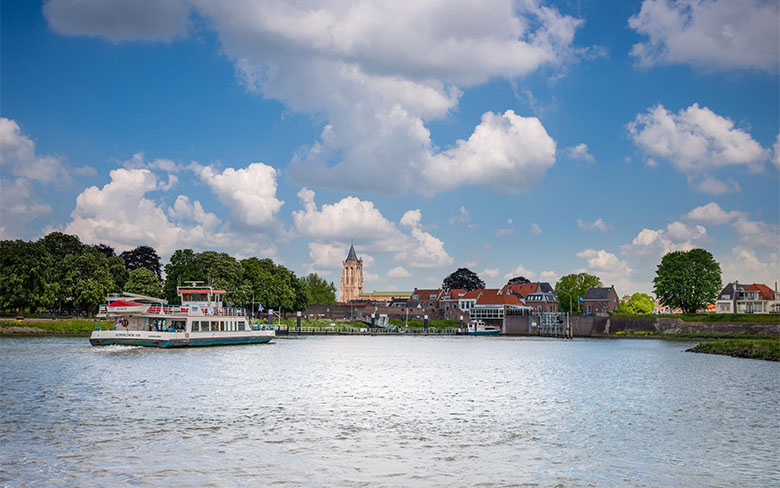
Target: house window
(590,308)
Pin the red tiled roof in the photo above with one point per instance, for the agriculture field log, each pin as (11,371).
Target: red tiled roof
(426,293)
(456,293)
(496,299)
(522,290)
(765,292)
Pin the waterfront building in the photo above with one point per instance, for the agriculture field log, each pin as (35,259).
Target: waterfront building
(754,298)
(351,277)
(385,296)
(600,301)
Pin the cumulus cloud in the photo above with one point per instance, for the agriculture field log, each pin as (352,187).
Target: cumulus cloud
(710,34)
(598,224)
(697,142)
(579,153)
(535,229)
(676,237)
(119,20)
(755,233)
(19,204)
(249,193)
(745,266)
(360,219)
(119,214)
(711,213)
(377,72)
(17,156)
(601,260)
(399,272)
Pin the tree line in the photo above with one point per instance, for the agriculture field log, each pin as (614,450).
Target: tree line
(688,280)
(59,272)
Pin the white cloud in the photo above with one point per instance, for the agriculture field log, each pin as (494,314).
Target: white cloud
(549,276)
(506,151)
(579,153)
(118,20)
(490,272)
(19,205)
(326,255)
(521,271)
(508,230)
(535,229)
(755,233)
(677,237)
(711,213)
(17,155)
(349,217)
(710,34)
(359,219)
(744,265)
(249,193)
(603,261)
(160,164)
(377,72)
(425,251)
(399,272)
(120,215)
(697,142)
(599,224)
(713,186)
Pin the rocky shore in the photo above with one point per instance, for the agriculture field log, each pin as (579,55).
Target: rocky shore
(768,350)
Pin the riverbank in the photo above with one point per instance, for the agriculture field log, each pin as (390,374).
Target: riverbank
(70,327)
(768,350)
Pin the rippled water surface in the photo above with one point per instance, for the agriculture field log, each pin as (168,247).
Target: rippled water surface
(387,411)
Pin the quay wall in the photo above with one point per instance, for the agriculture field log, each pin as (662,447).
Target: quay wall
(593,326)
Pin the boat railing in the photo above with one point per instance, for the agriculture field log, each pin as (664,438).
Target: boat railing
(174,310)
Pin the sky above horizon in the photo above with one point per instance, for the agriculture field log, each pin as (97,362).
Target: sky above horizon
(513,138)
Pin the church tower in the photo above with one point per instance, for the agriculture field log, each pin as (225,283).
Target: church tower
(351,277)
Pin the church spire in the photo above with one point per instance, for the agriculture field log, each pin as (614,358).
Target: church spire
(352,256)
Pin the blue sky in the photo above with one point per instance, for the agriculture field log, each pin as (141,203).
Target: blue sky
(513,138)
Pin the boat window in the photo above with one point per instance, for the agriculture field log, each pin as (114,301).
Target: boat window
(214,325)
(178,324)
(222,325)
(195,326)
(241,325)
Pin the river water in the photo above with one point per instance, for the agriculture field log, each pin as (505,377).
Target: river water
(386,411)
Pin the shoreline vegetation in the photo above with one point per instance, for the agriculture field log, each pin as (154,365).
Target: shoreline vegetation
(767,350)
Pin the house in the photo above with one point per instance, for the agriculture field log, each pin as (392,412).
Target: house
(542,302)
(468,300)
(449,303)
(600,301)
(753,298)
(492,306)
(522,290)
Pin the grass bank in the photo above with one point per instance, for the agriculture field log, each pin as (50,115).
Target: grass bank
(696,335)
(65,327)
(742,348)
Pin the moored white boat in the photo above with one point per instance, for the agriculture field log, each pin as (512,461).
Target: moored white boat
(201,320)
(478,327)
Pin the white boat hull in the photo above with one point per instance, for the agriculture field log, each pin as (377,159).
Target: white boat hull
(179,338)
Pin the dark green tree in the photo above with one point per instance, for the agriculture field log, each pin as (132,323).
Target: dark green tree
(687,279)
(518,280)
(462,278)
(25,269)
(181,268)
(572,286)
(318,290)
(104,249)
(60,245)
(142,257)
(639,303)
(144,282)
(85,280)
(118,271)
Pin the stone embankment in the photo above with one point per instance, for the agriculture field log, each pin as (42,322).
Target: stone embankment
(591,326)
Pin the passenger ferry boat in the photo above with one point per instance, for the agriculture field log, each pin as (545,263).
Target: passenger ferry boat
(478,327)
(200,320)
